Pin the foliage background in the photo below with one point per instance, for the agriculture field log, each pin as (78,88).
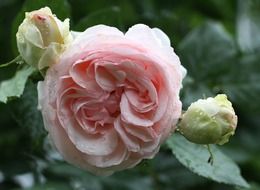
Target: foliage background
(218,42)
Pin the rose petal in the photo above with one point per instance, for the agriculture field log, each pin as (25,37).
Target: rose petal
(115,158)
(104,79)
(97,31)
(142,34)
(129,116)
(98,144)
(161,37)
(137,101)
(145,134)
(163,101)
(131,142)
(70,152)
(91,144)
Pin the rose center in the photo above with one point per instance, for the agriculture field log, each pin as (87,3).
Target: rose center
(112,103)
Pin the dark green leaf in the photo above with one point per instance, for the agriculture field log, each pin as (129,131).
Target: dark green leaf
(207,53)
(242,84)
(28,117)
(108,16)
(248,25)
(6,2)
(195,157)
(170,173)
(50,186)
(214,66)
(122,182)
(253,186)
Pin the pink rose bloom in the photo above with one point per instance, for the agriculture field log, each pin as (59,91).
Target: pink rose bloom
(113,98)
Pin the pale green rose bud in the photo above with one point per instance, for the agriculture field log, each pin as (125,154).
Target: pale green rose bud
(42,37)
(209,121)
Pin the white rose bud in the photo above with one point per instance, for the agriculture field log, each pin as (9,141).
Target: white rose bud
(42,37)
(209,121)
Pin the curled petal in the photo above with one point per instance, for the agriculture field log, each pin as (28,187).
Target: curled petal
(131,142)
(130,116)
(119,154)
(93,144)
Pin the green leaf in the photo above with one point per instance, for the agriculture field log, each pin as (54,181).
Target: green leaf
(108,16)
(127,180)
(253,186)
(171,173)
(248,25)
(25,113)
(121,181)
(14,86)
(195,157)
(206,46)
(211,58)
(6,2)
(50,186)
(242,84)
(207,53)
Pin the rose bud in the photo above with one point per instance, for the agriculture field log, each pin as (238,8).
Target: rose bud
(209,121)
(42,37)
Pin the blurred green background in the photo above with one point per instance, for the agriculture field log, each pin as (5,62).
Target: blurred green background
(218,42)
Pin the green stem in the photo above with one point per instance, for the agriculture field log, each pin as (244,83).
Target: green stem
(17,60)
